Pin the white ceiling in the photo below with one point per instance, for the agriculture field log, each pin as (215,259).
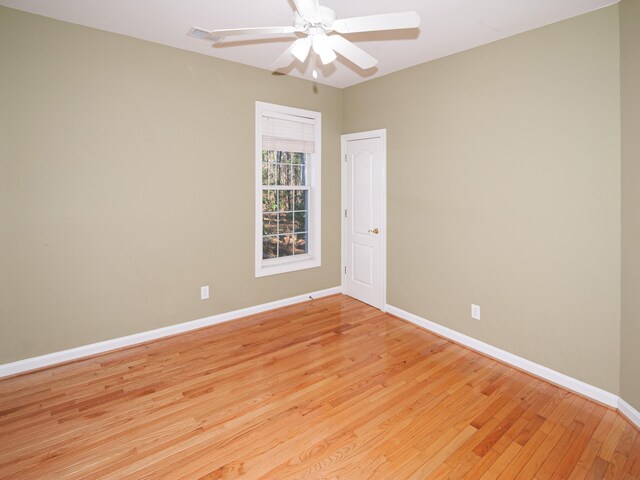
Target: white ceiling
(448,26)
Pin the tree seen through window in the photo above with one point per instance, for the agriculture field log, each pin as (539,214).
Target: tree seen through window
(284,204)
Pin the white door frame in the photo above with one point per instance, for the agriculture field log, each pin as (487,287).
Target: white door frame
(382,134)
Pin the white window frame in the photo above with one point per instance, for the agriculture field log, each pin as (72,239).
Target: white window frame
(312,258)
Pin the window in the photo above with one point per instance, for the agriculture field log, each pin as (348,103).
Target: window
(287,189)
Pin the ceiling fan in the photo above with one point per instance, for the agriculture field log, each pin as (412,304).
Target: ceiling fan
(316,22)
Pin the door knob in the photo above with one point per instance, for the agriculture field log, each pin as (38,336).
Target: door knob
(375,230)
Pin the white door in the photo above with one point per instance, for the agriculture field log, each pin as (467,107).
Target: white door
(364,227)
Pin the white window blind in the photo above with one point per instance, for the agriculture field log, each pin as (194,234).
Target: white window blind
(288,134)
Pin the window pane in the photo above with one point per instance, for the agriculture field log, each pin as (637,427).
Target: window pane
(283,157)
(301,200)
(285,203)
(269,247)
(269,223)
(269,200)
(284,174)
(285,245)
(301,246)
(299,175)
(285,222)
(299,158)
(269,173)
(300,222)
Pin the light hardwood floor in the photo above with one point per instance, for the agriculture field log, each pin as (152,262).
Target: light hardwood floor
(327,389)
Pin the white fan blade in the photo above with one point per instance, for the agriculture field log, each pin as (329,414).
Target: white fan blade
(309,10)
(389,21)
(287,56)
(351,52)
(202,34)
(253,31)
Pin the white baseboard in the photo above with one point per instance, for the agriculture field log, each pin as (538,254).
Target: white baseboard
(28,364)
(548,374)
(629,412)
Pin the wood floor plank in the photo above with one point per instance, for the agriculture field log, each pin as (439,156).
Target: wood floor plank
(329,388)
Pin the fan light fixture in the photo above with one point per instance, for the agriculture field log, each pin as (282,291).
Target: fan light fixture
(300,49)
(322,47)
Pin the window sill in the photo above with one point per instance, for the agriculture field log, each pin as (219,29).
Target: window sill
(285,266)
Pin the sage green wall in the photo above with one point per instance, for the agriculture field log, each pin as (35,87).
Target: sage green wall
(123,188)
(126,183)
(504,191)
(630,81)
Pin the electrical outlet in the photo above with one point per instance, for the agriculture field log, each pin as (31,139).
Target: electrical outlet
(204,292)
(475,312)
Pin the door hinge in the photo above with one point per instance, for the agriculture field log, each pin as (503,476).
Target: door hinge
(345,157)
(345,214)
(345,270)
